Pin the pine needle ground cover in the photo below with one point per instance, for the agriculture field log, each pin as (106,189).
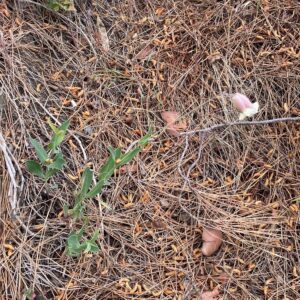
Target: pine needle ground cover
(113,69)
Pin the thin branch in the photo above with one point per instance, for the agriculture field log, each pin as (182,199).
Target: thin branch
(12,174)
(251,123)
(13,185)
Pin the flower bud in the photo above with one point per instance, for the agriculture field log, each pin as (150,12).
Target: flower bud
(244,105)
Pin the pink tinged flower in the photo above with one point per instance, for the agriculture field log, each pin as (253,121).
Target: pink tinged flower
(244,105)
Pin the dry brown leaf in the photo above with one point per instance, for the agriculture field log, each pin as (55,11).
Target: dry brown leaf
(4,10)
(145,52)
(159,11)
(56,76)
(212,240)
(214,56)
(222,278)
(210,295)
(174,125)
(265,5)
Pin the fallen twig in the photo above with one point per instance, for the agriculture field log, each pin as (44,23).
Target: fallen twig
(251,123)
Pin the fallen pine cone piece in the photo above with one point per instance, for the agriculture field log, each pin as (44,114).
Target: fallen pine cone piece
(212,240)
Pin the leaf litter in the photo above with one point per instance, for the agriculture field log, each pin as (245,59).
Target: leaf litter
(262,164)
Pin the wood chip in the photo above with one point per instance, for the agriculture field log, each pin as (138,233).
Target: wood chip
(103,35)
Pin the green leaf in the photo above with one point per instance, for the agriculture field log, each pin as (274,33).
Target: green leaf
(109,167)
(104,204)
(64,126)
(73,244)
(118,153)
(95,190)
(74,247)
(53,5)
(127,157)
(94,248)
(66,209)
(77,211)
(73,240)
(115,153)
(35,168)
(52,126)
(86,181)
(59,135)
(56,140)
(50,173)
(59,4)
(145,139)
(58,162)
(91,247)
(112,152)
(95,235)
(40,151)
(87,246)
(107,170)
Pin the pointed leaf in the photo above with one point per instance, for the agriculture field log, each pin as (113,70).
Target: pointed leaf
(78,210)
(40,151)
(86,181)
(296,199)
(87,246)
(94,248)
(115,153)
(35,168)
(58,162)
(64,126)
(112,152)
(52,126)
(145,139)
(118,153)
(95,235)
(127,157)
(95,190)
(59,135)
(91,247)
(56,140)
(107,170)
(50,173)
(81,231)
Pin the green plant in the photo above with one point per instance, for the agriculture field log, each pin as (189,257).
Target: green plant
(60,4)
(75,247)
(296,199)
(27,293)
(50,159)
(115,161)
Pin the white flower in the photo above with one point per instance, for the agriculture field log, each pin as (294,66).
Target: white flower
(244,105)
